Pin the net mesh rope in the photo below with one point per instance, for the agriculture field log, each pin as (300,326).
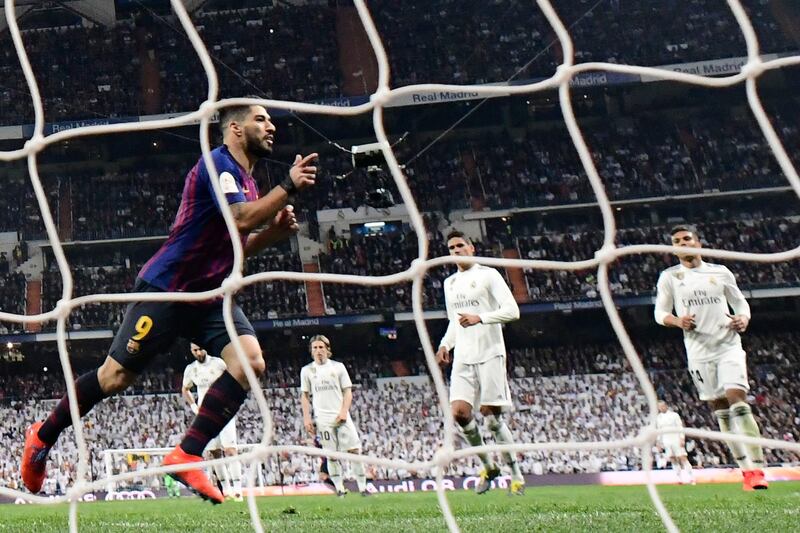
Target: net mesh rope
(383,95)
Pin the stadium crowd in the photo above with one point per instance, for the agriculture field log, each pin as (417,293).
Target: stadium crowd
(659,155)
(387,253)
(575,392)
(291,51)
(581,391)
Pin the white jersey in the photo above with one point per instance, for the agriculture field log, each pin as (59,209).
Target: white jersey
(670,419)
(326,384)
(482,291)
(203,375)
(708,292)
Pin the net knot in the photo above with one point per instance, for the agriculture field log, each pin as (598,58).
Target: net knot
(647,435)
(63,308)
(35,144)
(77,491)
(606,254)
(417,267)
(753,68)
(381,96)
(443,456)
(232,283)
(208,108)
(563,74)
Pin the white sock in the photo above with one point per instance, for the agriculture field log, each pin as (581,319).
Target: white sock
(335,471)
(688,468)
(503,436)
(361,476)
(222,475)
(473,436)
(737,448)
(235,470)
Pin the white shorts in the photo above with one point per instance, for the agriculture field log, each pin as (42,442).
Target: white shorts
(713,378)
(226,437)
(341,438)
(481,384)
(674,449)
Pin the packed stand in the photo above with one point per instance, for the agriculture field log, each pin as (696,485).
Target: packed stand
(513,40)
(97,272)
(291,52)
(90,68)
(382,255)
(126,204)
(603,405)
(636,157)
(637,274)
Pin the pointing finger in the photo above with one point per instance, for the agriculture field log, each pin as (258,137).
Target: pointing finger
(306,159)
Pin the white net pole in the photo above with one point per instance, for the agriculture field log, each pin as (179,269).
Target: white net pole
(384,95)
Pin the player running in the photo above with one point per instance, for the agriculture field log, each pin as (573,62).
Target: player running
(197,256)
(202,373)
(329,385)
(478,301)
(703,296)
(674,444)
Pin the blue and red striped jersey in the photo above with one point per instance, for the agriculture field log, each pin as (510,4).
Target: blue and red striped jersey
(198,255)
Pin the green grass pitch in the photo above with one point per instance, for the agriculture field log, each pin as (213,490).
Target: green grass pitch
(704,508)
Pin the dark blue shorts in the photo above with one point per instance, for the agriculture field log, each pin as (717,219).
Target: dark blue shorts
(150,328)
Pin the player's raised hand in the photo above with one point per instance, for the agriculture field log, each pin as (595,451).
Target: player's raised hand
(738,323)
(303,174)
(467,320)
(443,356)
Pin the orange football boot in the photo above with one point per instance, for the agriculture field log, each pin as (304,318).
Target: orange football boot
(196,480)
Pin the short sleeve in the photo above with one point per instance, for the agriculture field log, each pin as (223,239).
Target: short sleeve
(344,378)
(305,384)
(230,180)
(188,377)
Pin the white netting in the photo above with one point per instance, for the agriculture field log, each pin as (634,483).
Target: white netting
(749,73)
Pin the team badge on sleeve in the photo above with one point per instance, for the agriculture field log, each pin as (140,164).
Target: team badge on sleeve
(228,183)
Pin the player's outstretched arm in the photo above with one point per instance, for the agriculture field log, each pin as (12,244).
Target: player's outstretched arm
(250,215)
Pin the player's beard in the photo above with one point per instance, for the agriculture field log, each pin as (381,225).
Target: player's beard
(257,146)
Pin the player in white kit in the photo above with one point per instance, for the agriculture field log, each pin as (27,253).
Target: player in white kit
(712,312)
(478,303)
(674,444)
(331,391)
(202,373)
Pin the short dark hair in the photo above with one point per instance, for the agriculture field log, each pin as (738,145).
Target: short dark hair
(684,227)
(234,113)
(458,235)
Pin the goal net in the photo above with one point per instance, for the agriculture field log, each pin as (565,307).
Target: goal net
(381,98)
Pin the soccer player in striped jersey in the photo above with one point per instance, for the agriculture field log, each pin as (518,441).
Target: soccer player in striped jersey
(478,301)
(674,444)
(712,312)
(196,257)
